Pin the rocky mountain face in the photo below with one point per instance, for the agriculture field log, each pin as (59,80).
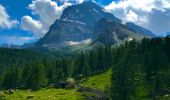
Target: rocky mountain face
(75,25)
(84,24)
(108,32)
(65,31)
(140,29)
(88,13)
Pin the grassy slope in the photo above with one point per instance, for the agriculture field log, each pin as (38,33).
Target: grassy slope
(46,94)
(101,81)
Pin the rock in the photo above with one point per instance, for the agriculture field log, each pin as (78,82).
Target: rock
(166,95)
(93,94)
(11,91)
(30,96)
(70,81)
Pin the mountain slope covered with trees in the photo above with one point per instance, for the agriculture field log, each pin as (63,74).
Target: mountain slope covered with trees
(139,69)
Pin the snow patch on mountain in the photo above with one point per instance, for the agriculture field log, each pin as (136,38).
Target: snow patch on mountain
(74,21)
(79,43)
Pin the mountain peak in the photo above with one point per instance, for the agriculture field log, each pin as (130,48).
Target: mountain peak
(88,12)
(89,2)
(85,21)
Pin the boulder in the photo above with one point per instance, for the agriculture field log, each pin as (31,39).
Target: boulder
(11,91)
(70,81)
(93,94)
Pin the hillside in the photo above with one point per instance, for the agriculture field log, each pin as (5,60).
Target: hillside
(62,94)
(45,94)
(100,82)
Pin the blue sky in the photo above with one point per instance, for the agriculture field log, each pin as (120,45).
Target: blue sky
(25,21)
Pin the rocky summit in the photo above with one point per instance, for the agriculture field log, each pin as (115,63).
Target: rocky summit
(87,22)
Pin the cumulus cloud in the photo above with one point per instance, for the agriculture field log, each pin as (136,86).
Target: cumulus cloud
(5,21)
(32,25)
(147,13)
(47,11)
(133,17)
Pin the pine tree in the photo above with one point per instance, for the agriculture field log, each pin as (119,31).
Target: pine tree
(60,75)
(92,62)
(79,63)
(36,78)
(51,74)
(11,79)
(100,59)
(123,77)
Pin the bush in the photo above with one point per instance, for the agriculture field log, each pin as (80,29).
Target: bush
(2,96)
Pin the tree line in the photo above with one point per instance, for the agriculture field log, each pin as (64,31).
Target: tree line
(25,69)
(138,68)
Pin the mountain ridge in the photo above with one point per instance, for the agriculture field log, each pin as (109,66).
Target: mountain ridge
(77,24)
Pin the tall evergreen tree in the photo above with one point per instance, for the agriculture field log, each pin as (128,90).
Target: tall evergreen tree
(11,79)
(36,78)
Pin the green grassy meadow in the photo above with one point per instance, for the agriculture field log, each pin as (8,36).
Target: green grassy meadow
(101,81)
(46,94)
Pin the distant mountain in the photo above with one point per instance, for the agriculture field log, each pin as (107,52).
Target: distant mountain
(86,23)
(12,46)
(164,34)
(140,29)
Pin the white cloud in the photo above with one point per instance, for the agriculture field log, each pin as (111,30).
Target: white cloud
(133,17)
(34,26)
(143,12)
(47,11)
(5,21)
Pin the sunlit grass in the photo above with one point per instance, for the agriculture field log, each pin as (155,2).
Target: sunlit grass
(46,94)
(100,81)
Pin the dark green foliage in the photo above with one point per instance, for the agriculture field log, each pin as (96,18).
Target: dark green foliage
(12,78)
(135,65)
(136,61)
(36,76)
(123,85)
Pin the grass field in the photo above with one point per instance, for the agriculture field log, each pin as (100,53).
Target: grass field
(45,94)
(101,81)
